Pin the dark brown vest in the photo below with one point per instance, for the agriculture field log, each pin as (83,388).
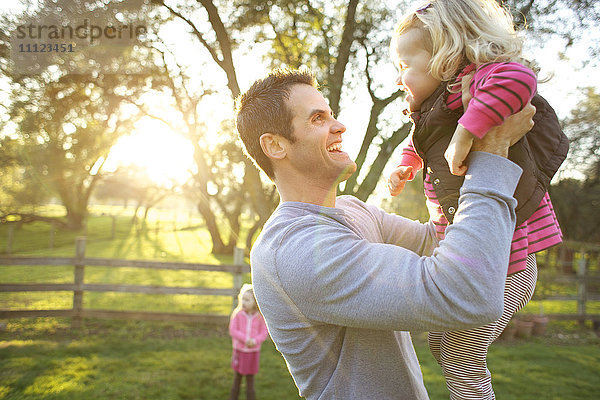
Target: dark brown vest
(540,153)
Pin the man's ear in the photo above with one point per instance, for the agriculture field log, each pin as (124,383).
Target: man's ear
(274,146)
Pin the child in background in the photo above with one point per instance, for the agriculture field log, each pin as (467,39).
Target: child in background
(248,330)
(434,48)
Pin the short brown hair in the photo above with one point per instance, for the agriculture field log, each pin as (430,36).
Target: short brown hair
(263,109)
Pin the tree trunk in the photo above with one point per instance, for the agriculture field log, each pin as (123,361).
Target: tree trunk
(336,79)
(387,148)
(75,219)
(252,232)
(364,148)
(135,212)
(218,247)
(261,201)
(145,217)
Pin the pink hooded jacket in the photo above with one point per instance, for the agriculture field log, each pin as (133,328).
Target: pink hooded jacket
(244,326)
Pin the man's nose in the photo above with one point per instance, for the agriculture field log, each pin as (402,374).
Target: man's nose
(338,127)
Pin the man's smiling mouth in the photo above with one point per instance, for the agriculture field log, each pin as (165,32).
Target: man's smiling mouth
(335,147)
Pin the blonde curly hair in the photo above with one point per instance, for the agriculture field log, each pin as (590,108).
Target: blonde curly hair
(457,32)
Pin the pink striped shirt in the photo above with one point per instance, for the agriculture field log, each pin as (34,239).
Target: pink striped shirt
(500,92)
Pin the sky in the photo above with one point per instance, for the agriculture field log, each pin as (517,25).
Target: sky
(168,156)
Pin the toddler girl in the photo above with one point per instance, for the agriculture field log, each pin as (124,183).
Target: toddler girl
(434,48)
(248,330)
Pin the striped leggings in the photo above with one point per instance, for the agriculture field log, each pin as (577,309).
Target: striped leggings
(462,354)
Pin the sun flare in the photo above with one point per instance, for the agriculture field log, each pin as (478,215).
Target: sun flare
(166,156)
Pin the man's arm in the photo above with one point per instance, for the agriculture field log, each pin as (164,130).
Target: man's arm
(335,277)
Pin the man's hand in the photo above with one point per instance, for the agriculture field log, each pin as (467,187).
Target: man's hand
(398,179)
(500,138)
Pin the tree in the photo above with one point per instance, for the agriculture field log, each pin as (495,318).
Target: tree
(411,203)
(66,122)
(385,129)
(344,43)
(215,188)
(19,190)
(584,135)
(569,20)
(576,201)
(66,128)
(576,205)
(131,182)
(306,33)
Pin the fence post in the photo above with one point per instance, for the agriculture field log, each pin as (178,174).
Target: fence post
(79,274)
(581,288)
(238,260)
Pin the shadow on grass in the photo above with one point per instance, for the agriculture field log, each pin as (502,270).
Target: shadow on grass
(44,359)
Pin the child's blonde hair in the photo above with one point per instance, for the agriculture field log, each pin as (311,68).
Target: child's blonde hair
(460,31)
(246,287)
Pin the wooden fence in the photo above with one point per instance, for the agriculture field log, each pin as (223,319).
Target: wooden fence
(79,287)
(573,263)
(576,264)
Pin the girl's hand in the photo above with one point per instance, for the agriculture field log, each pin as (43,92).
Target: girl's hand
(458,150)
(398,179)
(250,343)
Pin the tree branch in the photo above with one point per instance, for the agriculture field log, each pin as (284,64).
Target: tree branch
(25,218)
(336,79)
(196,32)
(225,44)
(280,41)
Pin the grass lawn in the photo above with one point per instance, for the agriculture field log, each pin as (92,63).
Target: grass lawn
(44,359)
(562,365)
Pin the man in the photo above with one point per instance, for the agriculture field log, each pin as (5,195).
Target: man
(336,279)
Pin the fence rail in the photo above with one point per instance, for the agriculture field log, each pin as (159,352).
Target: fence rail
(577,264)
(573,263)
(79,287)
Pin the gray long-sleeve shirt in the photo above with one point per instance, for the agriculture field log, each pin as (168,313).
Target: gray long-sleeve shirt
(335,284)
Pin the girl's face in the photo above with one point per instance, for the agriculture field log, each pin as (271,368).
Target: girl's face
(412,59)
(248,302)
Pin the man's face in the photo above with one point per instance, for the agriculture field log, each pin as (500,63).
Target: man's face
(317,151)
